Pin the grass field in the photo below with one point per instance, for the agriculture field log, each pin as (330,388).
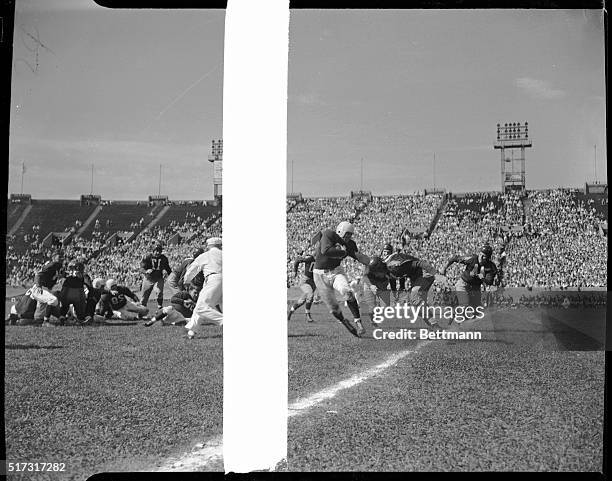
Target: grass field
(128,398)
(120,398)
(515,400)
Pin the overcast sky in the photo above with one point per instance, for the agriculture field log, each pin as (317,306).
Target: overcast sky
(393,87)
(126,90)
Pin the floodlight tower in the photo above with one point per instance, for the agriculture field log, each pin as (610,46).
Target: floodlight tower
(216,157)
(511,137)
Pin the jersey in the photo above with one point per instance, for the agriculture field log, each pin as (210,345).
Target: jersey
(473,268)
(75,275)
(159,263)
(405,265)
(327,253)
(49,274)
(308,262)
(180,299)
(115,299)
(179,271)
(378,274)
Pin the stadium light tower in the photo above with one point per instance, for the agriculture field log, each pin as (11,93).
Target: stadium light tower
(511,137)
(216,157)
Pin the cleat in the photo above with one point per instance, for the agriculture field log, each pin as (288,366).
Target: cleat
(177,323)
(309,317)
(150,322)
(360,329)
(88,320)
(190,334)
(346,323)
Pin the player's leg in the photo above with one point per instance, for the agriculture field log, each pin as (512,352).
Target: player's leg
(204,311)
(45,303)
(309,299)
(135,308)
(324,284)
(160,293)
(366,297)
(147,288)
(125,314)
(307,293)
(341,285)
(171,282)
(418,298)
(463,296)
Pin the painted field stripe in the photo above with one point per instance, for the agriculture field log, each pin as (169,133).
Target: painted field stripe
(301,406)
(197,459)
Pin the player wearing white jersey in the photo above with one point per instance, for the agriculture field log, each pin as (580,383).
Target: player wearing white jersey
(206,310)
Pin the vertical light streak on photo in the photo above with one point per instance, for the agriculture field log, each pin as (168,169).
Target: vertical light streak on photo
(255,157)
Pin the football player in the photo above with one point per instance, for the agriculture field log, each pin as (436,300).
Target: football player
(373,286)
(115,301)
(207,309)
(479,270)
(307,284)
(421,275)
(153,267)
(47,301)
(73,289)
(176,278)
(329,276)
(180,309)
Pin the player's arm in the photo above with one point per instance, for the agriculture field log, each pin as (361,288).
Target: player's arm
(145,265)
(328,246)
(193,269)
(166,265)
(452,260)
(352,251)
(128,293)
(426,266)
(296,265)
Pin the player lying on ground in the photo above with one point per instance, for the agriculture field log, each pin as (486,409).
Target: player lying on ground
(329,276)
(421,275)
(207,309)
(180,309)
(307,284)
(479,270)
(120,302)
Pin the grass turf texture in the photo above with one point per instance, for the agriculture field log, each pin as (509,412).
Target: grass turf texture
(119,398)
(515,400)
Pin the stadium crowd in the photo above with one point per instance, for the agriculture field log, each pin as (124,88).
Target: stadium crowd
(550,239)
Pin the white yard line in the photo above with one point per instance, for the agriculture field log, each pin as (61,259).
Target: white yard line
(301,406)
(205,454)
(197,459)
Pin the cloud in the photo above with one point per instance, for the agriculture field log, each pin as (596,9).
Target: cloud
(308,99)
(538,89)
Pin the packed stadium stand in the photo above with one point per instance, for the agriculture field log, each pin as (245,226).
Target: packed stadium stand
(553,238)
(182,228)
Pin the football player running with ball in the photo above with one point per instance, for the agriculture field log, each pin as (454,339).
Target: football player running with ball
(329,276)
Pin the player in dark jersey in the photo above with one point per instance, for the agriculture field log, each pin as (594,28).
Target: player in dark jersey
(479,270)
(45,279)
(373,287)
(421,275)
(153,267)
(329,276)
(307,284)
(180,309)
(397,285)
(175,279)
(121,302)
(73,289)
